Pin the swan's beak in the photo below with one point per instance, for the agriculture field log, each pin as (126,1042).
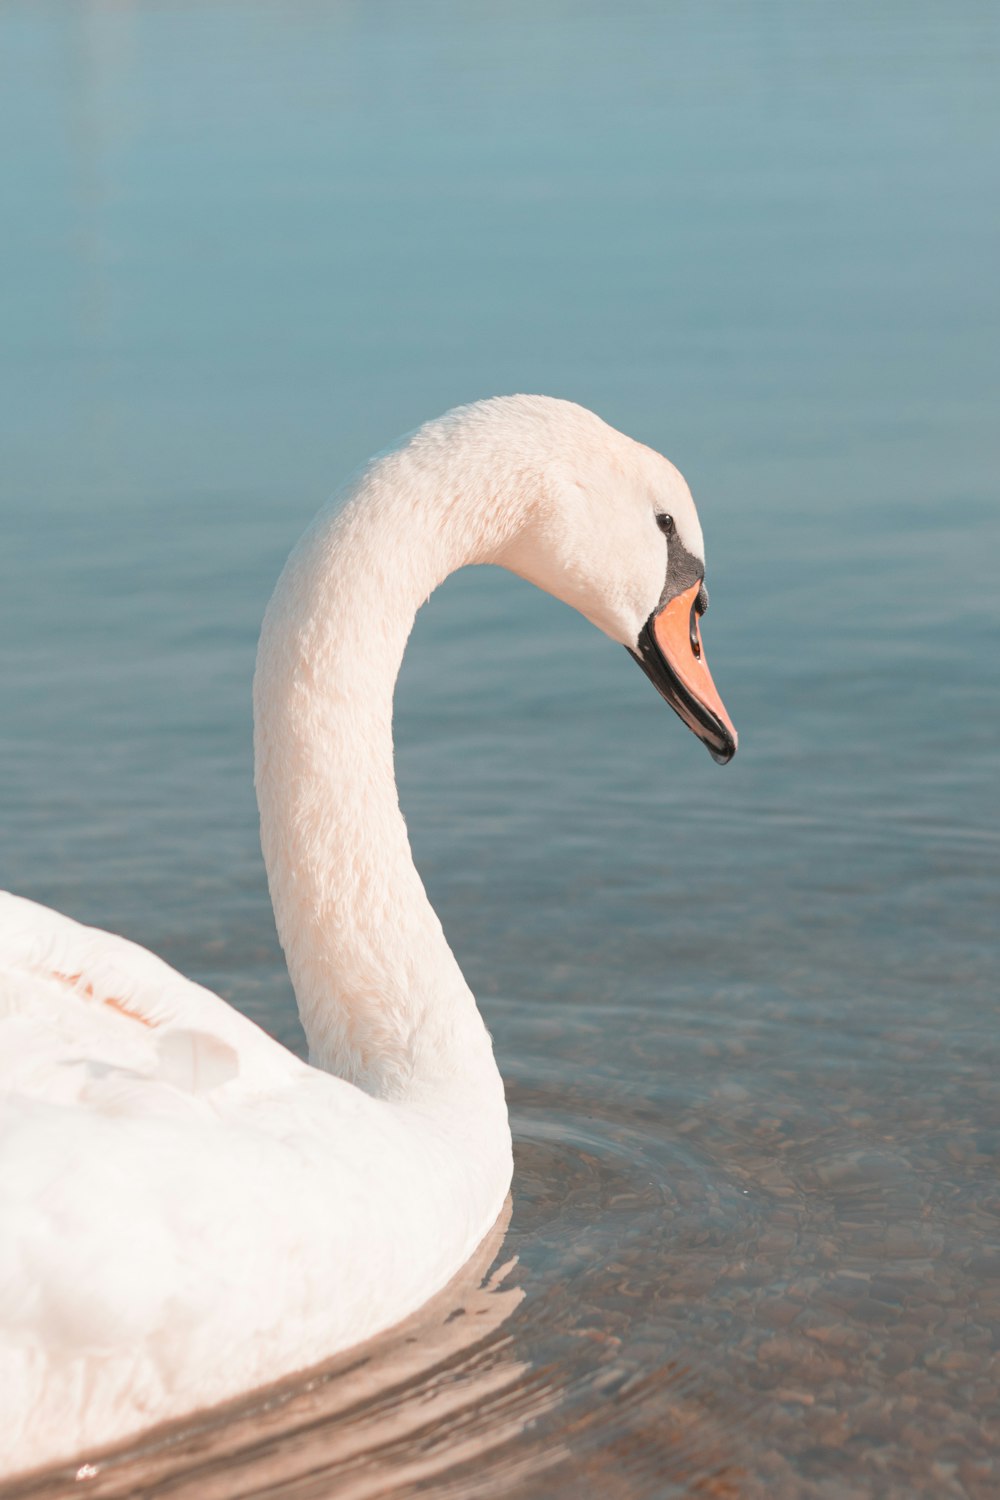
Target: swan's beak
(670,653)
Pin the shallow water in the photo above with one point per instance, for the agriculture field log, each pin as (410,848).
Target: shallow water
(747,1016)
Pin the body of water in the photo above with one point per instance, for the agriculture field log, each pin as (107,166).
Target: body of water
(748,1017)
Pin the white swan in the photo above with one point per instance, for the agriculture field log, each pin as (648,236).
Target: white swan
(186,1210)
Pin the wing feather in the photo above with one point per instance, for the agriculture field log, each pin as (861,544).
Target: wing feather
(77,1003)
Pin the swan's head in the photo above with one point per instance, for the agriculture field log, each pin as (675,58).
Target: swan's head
(614,532)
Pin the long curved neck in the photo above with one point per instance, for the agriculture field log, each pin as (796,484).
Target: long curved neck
(381,997)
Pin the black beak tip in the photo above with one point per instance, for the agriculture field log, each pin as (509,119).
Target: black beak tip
(723,754)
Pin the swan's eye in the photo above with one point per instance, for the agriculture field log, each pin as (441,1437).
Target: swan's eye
(666,524)
(701,603)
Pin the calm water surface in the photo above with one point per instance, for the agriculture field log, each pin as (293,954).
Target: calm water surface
(747,1016)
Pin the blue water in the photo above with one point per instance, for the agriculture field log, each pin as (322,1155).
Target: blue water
(747,1016)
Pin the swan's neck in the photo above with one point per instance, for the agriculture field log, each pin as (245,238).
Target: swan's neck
(381,997)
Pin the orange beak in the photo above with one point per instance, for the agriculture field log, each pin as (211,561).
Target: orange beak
(670,653)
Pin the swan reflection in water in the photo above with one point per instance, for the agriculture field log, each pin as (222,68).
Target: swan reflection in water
(431,1393)
(496,1386)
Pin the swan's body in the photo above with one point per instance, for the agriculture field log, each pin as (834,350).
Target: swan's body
(186,1210)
